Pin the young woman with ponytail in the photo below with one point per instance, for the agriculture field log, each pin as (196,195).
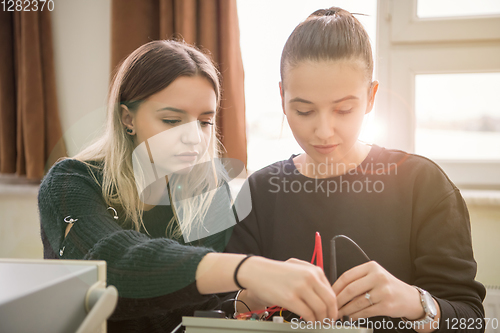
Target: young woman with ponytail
(400,208)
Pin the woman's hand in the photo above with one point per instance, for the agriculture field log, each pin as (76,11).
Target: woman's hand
(252,301)
(388,296)
(295,285)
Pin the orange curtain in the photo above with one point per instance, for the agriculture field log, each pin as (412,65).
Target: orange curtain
(30,130)
(208,24)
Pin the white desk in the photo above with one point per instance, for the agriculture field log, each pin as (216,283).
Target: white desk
(54,295)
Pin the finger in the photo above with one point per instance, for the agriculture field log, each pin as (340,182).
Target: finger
(351,275)
(325,292)
(359,303)
(308,264)
(371,311)
(354,289)
(316,304)
(328,297)
(299,307)
(325,280)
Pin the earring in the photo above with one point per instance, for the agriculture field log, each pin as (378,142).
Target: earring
(130,131)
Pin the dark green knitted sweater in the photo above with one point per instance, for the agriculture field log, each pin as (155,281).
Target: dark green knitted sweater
(154,274)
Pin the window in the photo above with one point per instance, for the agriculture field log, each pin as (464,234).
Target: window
(458,116)
(264,28)
(454,8)
(440,74)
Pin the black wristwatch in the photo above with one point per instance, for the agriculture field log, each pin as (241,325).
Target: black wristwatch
(429,308)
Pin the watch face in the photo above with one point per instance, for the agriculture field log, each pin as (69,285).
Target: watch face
(429,302)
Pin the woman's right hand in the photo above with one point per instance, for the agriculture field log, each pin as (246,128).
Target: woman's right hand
(295,285)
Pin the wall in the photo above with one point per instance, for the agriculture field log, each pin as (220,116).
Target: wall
(485,225)
(81,36)
(19,224)
(81,31)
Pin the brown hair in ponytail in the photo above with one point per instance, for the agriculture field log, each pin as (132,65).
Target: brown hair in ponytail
(328,34)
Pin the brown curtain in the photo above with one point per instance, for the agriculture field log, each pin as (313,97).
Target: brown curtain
(208,24)
(30,130)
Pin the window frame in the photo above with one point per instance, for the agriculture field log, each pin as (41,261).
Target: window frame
(408,46)
(408,27)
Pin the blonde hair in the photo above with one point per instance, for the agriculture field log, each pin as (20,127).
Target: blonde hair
(146,71)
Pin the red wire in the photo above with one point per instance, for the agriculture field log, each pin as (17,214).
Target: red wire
(318,250)
(272,310)
(317,254)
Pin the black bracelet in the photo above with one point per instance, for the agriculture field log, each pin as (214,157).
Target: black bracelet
(237,269)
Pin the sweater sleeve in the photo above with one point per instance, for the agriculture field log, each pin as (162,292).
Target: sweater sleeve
(444,264)
(157,272)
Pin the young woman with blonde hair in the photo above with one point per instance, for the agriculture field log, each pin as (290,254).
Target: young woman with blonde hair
(140,198)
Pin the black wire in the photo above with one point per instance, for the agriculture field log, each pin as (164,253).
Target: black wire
(333,266)
(353,242)
(289,316)
(238,300)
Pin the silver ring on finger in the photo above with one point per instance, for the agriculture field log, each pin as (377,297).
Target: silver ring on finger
(368,297)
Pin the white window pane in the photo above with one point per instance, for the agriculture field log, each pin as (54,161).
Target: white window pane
(455,8)
(458,116)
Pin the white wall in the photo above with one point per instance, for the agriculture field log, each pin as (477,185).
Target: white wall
(485,225)
(19,222)
(81,35)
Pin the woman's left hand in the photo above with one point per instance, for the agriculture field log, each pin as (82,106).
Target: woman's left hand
(369,290)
